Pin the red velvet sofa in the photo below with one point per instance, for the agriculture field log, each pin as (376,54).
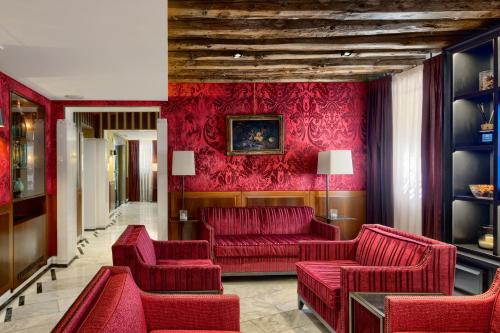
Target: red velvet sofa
(112,302)
(167,266)
(261,239)
(445,313)
(379,259)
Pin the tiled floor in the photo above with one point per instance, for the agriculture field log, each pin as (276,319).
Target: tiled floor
(268,304)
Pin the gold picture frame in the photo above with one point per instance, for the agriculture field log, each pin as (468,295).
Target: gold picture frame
(255,135)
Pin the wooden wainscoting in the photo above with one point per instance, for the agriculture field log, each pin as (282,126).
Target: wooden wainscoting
(6,248)
(193,201)
(275,198)
(348,203)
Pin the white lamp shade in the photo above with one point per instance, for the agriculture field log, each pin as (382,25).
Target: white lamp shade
(183,163)
(335,162)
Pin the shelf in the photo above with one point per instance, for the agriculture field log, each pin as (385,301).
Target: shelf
(474,148)
(473,199)
(474,95)
(474,248)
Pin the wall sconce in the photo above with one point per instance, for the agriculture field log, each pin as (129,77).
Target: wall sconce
(1,119)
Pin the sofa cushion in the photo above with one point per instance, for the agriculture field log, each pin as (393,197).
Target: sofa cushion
(260,245)
(118,309)
(377,247)
(184,262)
(323,278)
(286,220)
(232,221)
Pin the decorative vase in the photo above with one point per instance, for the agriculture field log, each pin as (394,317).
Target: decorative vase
(486,238)
(18,187)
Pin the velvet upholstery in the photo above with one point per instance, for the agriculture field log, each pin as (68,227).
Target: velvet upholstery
(166,266)
(112,302)
(479,313)
(380,259)
(260,239)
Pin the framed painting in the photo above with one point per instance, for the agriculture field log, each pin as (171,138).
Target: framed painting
(255,134)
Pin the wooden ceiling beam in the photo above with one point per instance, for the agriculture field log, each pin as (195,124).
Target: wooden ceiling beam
(335,9)
(299,55)
(274,29)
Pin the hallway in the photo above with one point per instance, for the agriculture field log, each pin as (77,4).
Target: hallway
(267,305)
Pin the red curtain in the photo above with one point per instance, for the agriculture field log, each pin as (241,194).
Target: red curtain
(432,124)
(133,171)
(155,179)
(380,204)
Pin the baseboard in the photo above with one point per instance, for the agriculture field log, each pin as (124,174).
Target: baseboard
(63,265)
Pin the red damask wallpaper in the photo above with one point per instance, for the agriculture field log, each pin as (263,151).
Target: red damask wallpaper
(318,116)
(7,84)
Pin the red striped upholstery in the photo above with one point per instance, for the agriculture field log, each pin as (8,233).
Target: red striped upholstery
(495,314)
(260,245)
(233,221)
(323,279)
(179,266)
(263,239)
(386,260)
(377,247)
(286,220)
(112,302)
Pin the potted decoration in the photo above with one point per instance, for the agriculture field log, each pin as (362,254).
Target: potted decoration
(487,125)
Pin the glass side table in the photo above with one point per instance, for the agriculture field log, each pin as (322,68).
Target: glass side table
(374,302)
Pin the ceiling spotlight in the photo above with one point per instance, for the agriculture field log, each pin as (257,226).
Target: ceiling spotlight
(237,55)
(73,96)
(1,47)
(346,53)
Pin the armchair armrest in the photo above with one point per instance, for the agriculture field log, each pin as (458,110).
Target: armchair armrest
(438,313)
(207,233)
(329,231)
(327,250)
(196,249)
(174,312)
(180,278)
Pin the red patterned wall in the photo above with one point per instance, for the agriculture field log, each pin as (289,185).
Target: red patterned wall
(318,116)
(7,84)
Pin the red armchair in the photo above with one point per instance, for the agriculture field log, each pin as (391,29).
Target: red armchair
(167,266)
(380,259)
(445,313)
(256,240)
(112,302)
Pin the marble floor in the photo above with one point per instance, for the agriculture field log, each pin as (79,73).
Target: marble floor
(268,304)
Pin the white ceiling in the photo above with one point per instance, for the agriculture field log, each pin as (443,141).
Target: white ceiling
(99,49)
(136,135)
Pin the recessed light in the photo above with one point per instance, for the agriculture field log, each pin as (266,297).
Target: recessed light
(73,96)
(237,55)
(2,47)
(346,53)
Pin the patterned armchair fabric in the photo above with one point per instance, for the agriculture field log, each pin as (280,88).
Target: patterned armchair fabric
(112,302)
(260,239)
(380,259)
(166,266)
(479,313)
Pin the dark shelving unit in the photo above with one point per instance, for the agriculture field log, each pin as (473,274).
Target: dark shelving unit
(467,160)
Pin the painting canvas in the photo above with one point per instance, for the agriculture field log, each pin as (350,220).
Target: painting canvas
(255,135)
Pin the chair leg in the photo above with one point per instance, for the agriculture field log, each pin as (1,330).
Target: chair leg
(300,304)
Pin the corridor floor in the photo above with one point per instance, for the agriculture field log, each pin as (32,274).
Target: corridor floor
(268,304)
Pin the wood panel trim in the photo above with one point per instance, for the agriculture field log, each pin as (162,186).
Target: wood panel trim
(8,257)
(175,197)
(275,195)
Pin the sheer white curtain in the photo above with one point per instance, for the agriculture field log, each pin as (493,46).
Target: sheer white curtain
(407,94)
(145,170)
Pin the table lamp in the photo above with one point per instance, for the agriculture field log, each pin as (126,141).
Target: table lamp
(334,162)
(183,165)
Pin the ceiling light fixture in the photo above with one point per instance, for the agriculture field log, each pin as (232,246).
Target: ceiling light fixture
(346,53)
(2,47)
(73,96)
(237,55)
